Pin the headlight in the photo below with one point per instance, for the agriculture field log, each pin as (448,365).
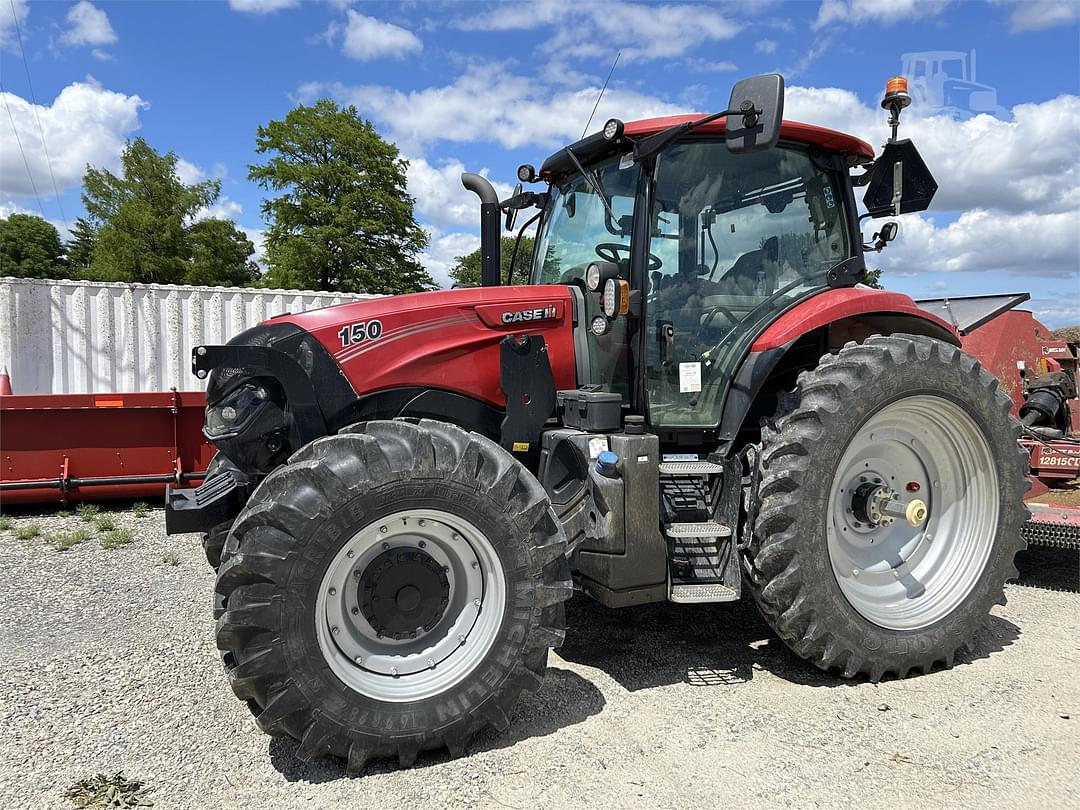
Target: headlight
(592,277)
(599,325)
(235,410)
(611,295)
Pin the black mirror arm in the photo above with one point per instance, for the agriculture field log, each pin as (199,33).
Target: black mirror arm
(526,199)
(647,147)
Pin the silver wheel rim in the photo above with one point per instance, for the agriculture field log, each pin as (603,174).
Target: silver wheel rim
(905,577)
(409,669)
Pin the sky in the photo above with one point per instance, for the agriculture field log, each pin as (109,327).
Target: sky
(479,86)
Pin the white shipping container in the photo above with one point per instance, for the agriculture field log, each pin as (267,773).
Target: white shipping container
(80,337)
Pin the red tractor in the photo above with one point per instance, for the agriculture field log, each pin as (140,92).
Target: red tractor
(692,395)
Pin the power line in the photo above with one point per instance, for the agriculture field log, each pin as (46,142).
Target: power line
(37,117)
(26,163)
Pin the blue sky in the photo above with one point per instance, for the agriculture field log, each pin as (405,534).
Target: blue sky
(476,85)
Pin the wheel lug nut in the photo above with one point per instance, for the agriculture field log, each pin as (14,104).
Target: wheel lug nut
(393,671)
(475,564)
(355,611)
(461,638)
(476,602)
(423,544)
(335,630)
(431,663)
(333,591)
(359,660)
(386,546)
(350,554)
(383,530)
(855,572)
(423,522)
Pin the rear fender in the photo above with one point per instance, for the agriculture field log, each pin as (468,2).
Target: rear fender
(798,338)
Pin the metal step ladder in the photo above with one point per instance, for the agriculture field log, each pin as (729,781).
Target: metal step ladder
(702,558)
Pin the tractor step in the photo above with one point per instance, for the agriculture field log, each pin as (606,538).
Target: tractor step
(710,592)
(690,468)
(710,528)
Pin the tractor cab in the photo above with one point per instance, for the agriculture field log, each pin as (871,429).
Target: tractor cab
(709,245)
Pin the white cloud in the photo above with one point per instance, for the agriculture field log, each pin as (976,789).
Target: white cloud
(443,249)
(87,25)
(1056,312)
(224,208)
(881,11)
(1035,15)
(710,66)
(490,106)
(765,46)
(188,172)
(261,6)
(257,237)
(1027,164)
(12,12)
(11,207)
(366,38)
(1027,244)
(440,197)
(85,124)
(597,29)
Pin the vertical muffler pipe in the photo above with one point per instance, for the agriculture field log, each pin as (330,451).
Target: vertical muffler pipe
(489,227)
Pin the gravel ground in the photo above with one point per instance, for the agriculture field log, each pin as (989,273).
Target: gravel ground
(107,662)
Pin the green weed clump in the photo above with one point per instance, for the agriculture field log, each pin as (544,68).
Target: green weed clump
(117,538)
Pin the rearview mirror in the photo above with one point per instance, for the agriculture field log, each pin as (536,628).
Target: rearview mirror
(760,99)
(899,183)
(511,213)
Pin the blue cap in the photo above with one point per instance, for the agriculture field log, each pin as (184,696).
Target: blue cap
(607,462)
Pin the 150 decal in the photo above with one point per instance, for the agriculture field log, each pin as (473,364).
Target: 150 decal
(354,333)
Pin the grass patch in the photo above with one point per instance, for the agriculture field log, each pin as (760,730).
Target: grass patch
(116,538)
(104,523)
(6,523)
(62,541)
(87,512)
(171,559)
(140,509)
(28,531)
(108,791)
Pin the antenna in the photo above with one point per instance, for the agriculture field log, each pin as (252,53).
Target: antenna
(602,89)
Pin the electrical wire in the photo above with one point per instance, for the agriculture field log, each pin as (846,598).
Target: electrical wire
(37,117)
(26,163)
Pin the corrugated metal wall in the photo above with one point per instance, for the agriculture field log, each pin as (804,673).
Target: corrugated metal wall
(77,337)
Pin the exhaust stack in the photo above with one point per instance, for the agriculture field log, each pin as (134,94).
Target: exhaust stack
(490,244)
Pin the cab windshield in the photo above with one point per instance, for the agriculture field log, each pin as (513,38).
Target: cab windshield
(577,220)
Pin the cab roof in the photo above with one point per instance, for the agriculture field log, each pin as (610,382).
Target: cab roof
(858,150)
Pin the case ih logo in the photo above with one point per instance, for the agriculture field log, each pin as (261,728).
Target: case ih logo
(523,315)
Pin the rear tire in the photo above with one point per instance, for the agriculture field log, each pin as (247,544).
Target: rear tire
(306,530)
(887,597)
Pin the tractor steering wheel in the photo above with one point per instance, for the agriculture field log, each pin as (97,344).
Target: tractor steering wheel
(712,313)
(609,252)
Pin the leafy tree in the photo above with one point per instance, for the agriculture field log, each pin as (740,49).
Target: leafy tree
(466,269)
(873,279)
(344,220)
(30,248)
(146,228)
(221,255)
(80,248)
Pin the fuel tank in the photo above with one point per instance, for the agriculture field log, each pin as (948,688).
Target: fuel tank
(447,339)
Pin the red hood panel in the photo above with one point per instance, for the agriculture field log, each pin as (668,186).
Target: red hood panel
(447,339)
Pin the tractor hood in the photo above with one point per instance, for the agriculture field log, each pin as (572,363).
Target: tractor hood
(448,339)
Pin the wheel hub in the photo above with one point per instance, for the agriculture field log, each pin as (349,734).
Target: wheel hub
(410,604)
(912,512)
(403,592)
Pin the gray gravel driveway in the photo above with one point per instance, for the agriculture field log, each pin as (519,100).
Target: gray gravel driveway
(107,663)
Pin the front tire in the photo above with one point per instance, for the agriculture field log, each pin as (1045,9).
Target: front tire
(391,590)
(902,421)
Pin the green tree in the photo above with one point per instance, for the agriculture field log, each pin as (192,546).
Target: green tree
(80,248)
(873,279)
(466,269)
(30,248)
(146,229)
(221,255)
(344,220)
